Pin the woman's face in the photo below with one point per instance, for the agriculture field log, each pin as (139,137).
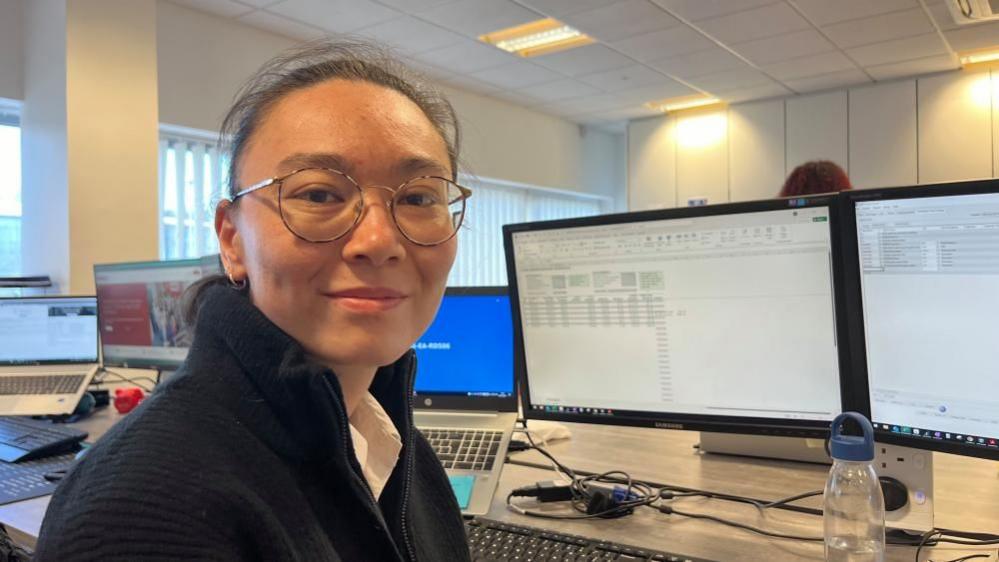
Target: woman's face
(362,300)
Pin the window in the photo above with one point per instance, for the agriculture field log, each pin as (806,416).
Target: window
(10,189)
(192,172)
(480,259)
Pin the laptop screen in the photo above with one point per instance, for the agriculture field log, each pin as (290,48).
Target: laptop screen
(468,350)
(40,330)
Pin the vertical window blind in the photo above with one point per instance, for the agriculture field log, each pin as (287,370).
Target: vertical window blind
(192,176)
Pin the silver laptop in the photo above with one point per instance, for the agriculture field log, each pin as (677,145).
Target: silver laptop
(466,399)
(48,353)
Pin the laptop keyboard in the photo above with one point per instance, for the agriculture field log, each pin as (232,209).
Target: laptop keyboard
(470,449)
(40,384)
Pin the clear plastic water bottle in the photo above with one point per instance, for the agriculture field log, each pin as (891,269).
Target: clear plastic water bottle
(853,507)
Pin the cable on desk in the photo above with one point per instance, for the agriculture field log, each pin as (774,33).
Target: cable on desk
(668,510)
(131,380)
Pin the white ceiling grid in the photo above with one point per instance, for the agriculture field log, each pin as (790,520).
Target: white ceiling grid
(737,50)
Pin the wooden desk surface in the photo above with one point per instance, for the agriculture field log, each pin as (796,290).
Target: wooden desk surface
(967,495)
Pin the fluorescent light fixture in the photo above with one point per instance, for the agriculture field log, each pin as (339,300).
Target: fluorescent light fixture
(980,56)
(537,38)
(683,102)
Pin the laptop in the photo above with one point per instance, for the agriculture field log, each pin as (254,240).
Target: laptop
(465,396)
(48,353)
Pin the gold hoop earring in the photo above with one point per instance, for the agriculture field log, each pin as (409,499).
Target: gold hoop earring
(240,286)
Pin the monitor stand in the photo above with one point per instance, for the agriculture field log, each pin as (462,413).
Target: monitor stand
(766,446)
(914,469)
(911,467)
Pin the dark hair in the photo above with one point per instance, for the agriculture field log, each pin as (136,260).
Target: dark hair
(308,65)
(817,176)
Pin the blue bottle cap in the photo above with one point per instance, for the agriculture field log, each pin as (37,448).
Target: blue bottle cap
(852,447)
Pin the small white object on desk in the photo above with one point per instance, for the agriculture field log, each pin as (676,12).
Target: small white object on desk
(543,432)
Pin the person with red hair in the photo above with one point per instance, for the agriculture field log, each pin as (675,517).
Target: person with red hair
(817,176)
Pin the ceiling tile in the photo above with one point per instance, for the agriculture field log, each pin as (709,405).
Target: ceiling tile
(824,12)
(756,23)
(559,8)
(476,17)
(517,97)
(731,80)
(584,60)
(627,78)
(699,63)
(259,3)
(764,91)
(470,84)
(414,6)
(624,114)
(466,57)
(426,69)
(915,67)
(898,50)
(410,35)
(283,26)
(664,43)
(839,79)
(783,47)
(941,15)
(516,74)
(338,16)
(589,104)
(654,92)
(977,36)
(695,10)
(811,65)
(622,20)
(224,8)
(565,88)
(885,27)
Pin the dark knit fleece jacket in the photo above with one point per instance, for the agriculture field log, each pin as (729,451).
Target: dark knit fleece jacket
(246,454)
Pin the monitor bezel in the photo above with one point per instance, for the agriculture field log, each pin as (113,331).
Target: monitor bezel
(681,421)
(146,363)
(854,300)
(97,349)
(455,401)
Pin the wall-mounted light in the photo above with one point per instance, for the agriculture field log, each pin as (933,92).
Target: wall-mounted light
(683,102)
(537,38)
(980,56)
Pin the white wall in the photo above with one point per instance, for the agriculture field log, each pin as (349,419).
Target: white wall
(11,49)
(204,59)
(935,128)
(604,159)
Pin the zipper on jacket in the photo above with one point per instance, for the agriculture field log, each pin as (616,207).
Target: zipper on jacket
(409,459)
(372,502)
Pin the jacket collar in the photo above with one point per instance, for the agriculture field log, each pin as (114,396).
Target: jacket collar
(303,395)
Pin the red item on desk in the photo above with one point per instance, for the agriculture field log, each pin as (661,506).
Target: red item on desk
(126,399)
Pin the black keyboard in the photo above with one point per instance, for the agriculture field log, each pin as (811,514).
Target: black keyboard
(470,449)
(25,480)
(492,541)
(24,438)
(40,384)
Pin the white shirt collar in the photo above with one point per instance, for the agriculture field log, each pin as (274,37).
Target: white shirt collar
(376,442)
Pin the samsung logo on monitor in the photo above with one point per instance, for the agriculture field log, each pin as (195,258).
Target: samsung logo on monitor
(667,425)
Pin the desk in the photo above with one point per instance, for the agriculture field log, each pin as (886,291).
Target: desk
(967,495)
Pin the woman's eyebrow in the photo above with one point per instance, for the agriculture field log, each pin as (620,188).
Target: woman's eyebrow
(404,168)
(421,165)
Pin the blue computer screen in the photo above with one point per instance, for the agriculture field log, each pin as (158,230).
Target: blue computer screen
(468,349)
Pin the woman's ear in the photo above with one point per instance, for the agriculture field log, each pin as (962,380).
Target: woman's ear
(230,242)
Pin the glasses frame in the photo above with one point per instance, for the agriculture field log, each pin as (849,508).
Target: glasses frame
(279,181)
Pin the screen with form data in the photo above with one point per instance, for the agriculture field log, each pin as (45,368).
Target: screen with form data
(929,272)
(48,330)
(728,315)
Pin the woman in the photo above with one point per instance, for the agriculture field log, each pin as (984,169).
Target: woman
(817,176)
(288,433)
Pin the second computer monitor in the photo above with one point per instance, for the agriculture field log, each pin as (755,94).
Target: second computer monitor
(721,318)
(140,310)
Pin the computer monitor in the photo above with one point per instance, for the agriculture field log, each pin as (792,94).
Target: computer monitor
(720,318)
(48,330)
(465,358)
(139,310)
(923,282)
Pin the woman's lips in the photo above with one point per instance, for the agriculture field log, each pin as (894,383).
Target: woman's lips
(368,299)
